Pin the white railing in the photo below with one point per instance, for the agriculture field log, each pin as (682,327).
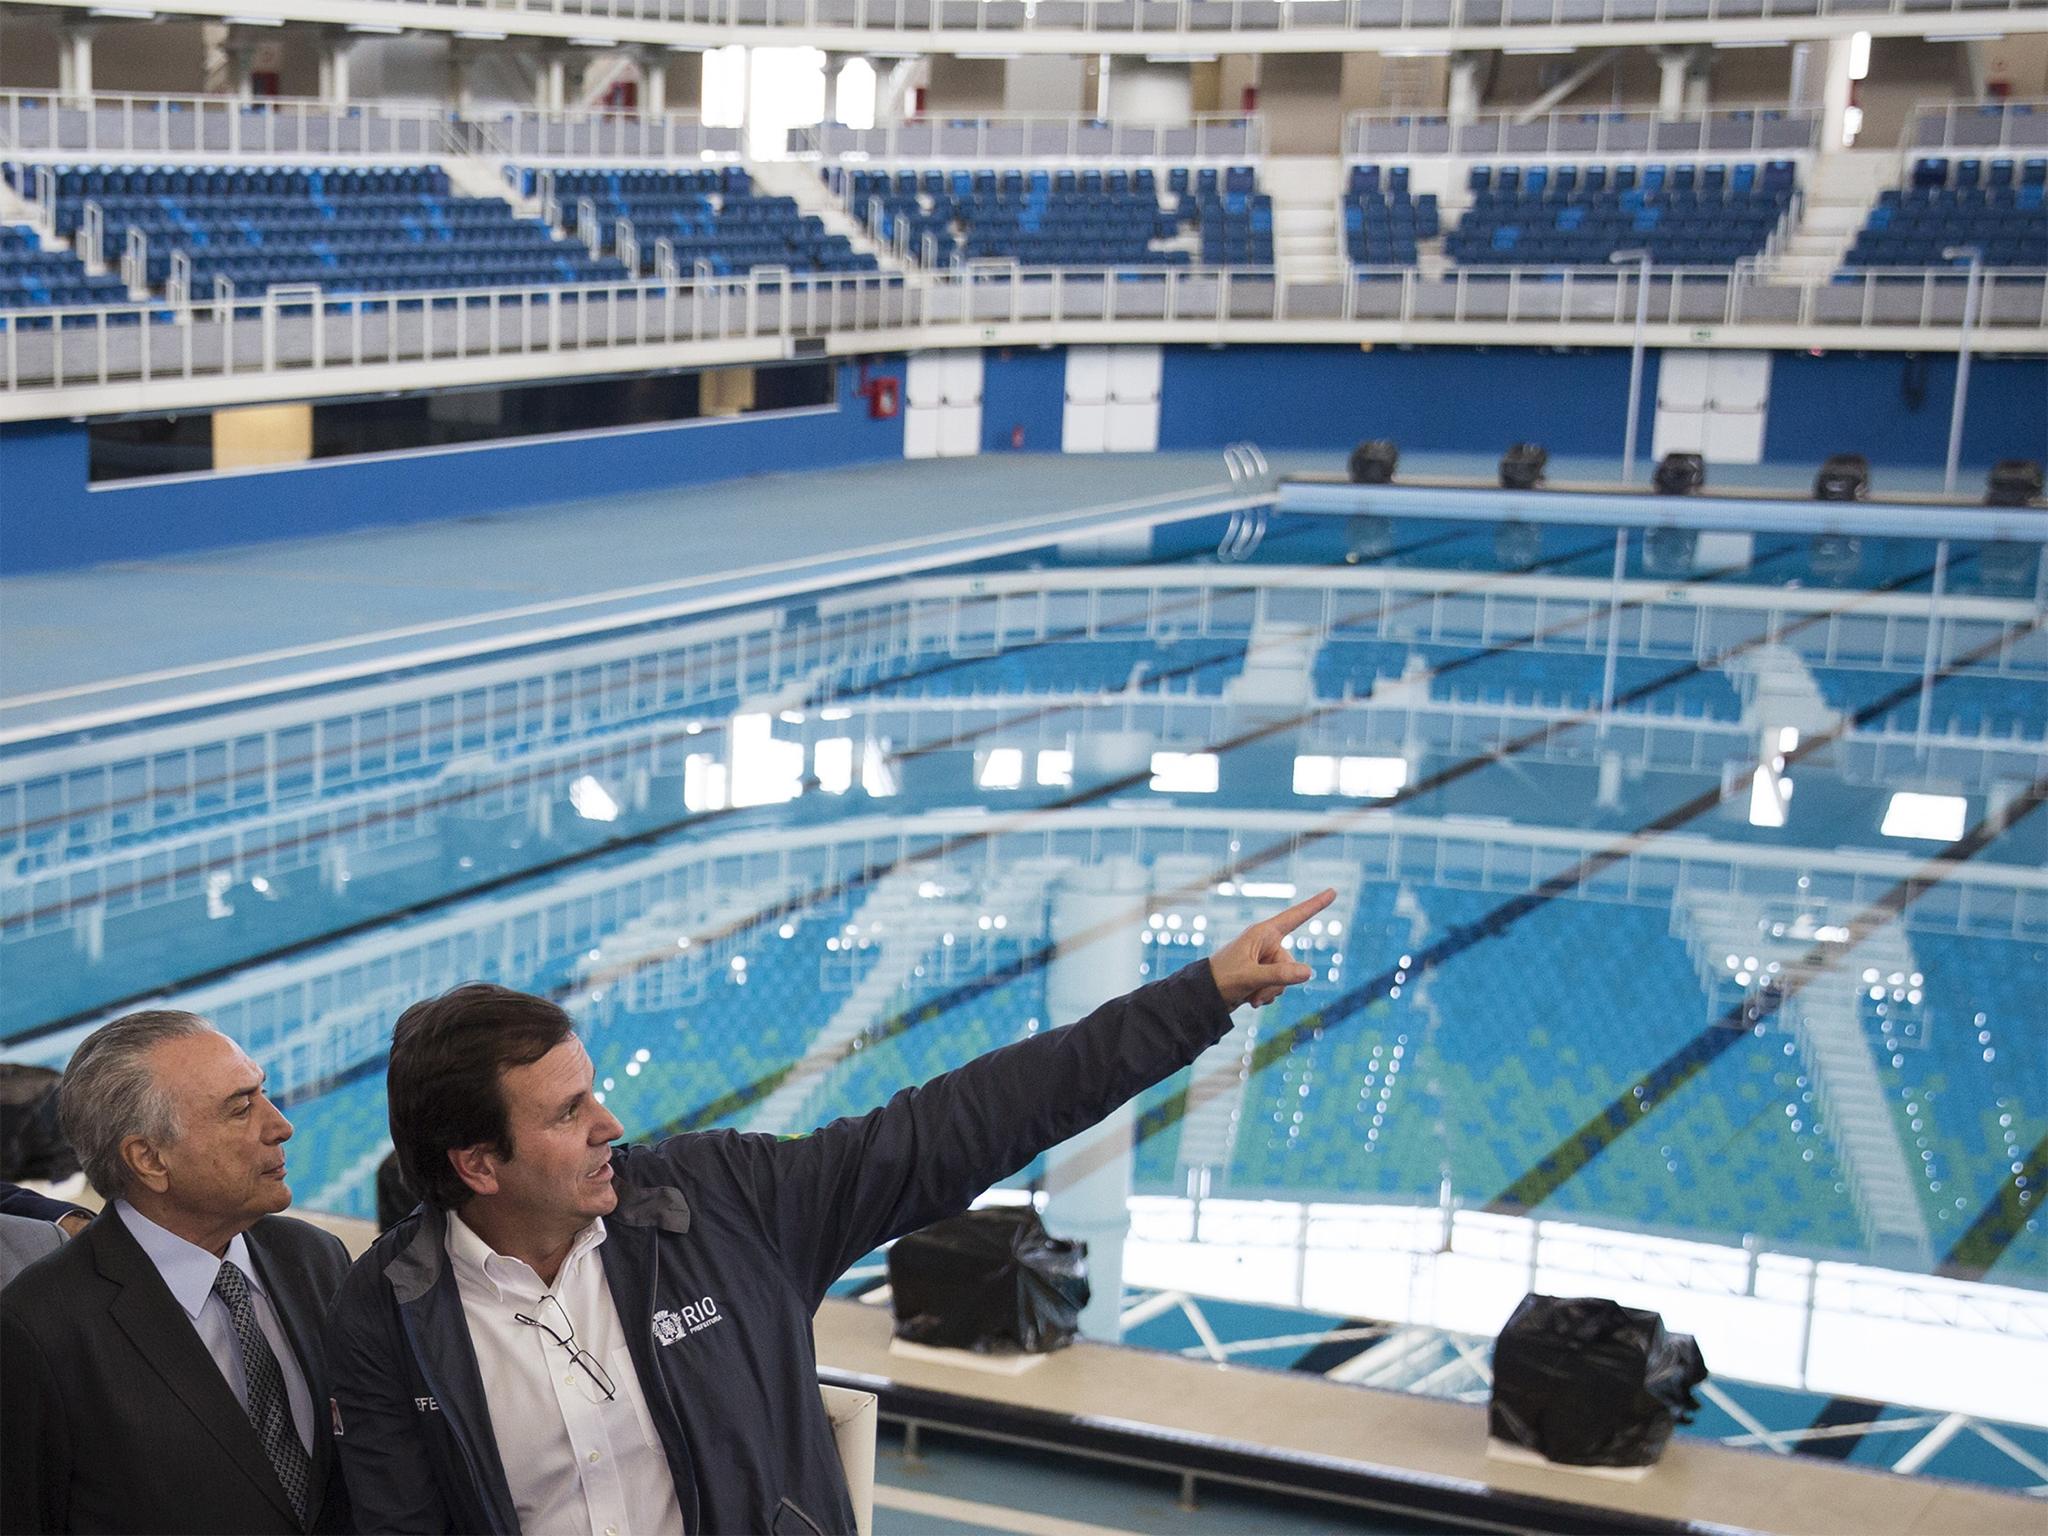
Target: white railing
(2019,126)
(1759,130)
(526,134)
(43,123)
(1002,139)
(52,350)
(1147,20)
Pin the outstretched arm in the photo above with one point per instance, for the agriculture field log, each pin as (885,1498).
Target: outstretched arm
(830,1197)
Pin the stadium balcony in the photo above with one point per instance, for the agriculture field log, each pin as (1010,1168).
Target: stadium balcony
(1713,215)
(1145,26)
(1994,207)
(709,222)
(203,230)
(1165,217)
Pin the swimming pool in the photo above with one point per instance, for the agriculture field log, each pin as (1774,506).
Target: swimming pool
(1623,937)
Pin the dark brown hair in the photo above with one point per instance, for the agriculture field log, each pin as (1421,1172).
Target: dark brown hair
(447,1056)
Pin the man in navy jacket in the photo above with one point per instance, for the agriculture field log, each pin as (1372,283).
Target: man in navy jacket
(716,1248)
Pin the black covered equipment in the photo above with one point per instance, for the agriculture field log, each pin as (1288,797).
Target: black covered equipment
(1588,1382)
(1522,466)
(1679,474)
(991,1281)
(1373,461)
(2013,483)
(1845,477)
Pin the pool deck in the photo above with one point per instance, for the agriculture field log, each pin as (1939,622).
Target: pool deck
(81,647)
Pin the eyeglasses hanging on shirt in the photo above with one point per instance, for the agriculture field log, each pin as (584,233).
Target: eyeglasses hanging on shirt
(566,1337)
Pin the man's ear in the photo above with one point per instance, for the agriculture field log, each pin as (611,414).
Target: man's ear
(145,1164)
(476,1166)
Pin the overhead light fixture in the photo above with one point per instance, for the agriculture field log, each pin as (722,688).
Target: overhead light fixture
(375,29)
(122,13)
(1415,53)
(482,37)
(1859,55)
(1755,42)
(1966,37)
(593,42)
(1534,52)
(688,47)
(1180,58)
(989,56)
(253,21)
(1934,818)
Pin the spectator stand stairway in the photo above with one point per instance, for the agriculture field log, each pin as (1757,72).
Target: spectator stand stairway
(200,232)
(1063,217)
(670,224)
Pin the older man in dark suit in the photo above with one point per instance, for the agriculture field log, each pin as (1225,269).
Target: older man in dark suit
(164,1370)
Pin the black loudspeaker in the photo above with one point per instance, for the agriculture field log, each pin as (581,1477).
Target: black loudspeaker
(991,1281)
(1680,474)
(2013,483)
(1522,466)
(1373,461)
(1845,477)
(1588,1382)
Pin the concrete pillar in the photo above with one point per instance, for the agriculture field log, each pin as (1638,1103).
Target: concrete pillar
(1835,92)
(653,82)
(74,65)
(835,65)
(460,89)
(1088,1179)
(553,83)
(334,49)
(1102,86)
(1699,78)
(241,56)
(1671,67)
(1463,104)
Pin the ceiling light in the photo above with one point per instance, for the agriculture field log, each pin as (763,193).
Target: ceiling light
(1534,52)
(253,21)
(593,802)
(1180,58)
(1944,37)
(1755,42)
(375,29)
(482,37)
(593,42)
(122,13)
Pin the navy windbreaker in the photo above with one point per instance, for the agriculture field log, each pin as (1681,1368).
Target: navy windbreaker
(721,1249)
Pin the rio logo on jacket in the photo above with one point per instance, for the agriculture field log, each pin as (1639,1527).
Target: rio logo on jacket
(694,1317)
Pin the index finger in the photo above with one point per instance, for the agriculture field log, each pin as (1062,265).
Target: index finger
(1301,911)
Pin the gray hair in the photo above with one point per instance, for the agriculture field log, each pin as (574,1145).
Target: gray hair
(110,1093)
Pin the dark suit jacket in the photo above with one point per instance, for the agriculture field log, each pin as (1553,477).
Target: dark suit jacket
(113,1416)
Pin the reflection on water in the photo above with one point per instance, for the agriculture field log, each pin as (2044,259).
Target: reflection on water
(1699,892)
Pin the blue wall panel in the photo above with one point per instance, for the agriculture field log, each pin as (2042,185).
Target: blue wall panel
(50,520)
(1023,388)
(1893,408)
(1468,399)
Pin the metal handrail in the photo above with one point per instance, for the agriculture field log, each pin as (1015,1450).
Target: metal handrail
(42,123)
(1191,21)
(45,352)
(1977,126)
(1006,138)
(1772,130)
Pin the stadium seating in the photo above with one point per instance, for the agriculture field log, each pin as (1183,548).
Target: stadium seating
(1070,666)
(1382,222)
(348,230)
(33,278)
(1066,218)
(1571,215)
(711,216)
(1996,207)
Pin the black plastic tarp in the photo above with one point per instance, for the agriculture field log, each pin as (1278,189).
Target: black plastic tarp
(990,1281)
(1591,1383)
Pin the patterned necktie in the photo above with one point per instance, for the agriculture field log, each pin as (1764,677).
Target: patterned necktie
(269,1407)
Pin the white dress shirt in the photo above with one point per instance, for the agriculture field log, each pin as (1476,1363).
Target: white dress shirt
(576,1463)
(189,1271)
